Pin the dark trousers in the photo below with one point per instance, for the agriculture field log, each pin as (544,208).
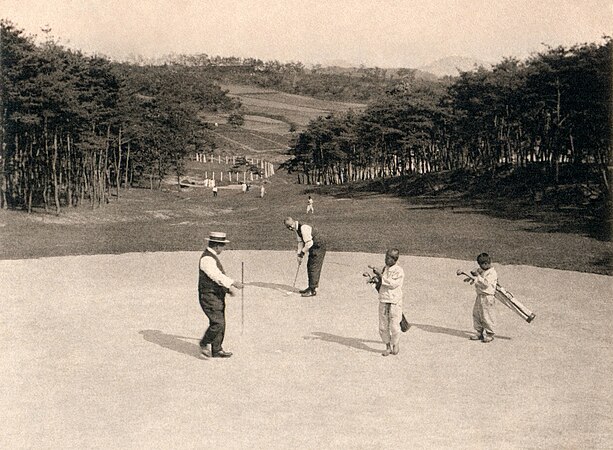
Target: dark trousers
(217,329)
(314,265)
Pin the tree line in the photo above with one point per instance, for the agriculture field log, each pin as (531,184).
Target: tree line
(77,129)
(327,83)
(552,111)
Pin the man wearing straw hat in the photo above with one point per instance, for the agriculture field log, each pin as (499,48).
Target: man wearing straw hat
(213,285)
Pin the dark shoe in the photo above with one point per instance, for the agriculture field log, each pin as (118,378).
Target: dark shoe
(222,354)
(304,291)
(388,350)
(205,353)
(476,337)
(310,293)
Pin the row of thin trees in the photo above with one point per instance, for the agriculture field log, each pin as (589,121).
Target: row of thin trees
(77,129)
(552,109)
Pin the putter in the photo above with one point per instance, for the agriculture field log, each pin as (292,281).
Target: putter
(242,296)
(295,278)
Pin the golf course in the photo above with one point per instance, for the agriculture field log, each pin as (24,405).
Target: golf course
(102,322)
(273,225)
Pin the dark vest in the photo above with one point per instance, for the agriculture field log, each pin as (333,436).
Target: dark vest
(210,293)
(318,241)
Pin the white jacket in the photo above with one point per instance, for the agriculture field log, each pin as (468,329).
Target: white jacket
(392,280)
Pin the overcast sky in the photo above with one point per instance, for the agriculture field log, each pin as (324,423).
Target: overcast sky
(384,33)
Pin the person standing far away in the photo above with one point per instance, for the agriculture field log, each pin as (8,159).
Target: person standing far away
(244,187)
(215,191)
(310,206)
(389,285)
(309,241)
(213,285)
(262,191)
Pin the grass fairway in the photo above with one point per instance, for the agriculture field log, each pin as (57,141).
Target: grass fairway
(166,221)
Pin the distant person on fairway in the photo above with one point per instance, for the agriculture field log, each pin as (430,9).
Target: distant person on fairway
(310,206)
(244,187)
(389,281)
(213,285)
(484,310)
(262,191)
(215,191)
(311,242)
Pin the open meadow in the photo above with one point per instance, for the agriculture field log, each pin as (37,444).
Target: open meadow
(102,326)
(144,220)
(271,120)
(293,109)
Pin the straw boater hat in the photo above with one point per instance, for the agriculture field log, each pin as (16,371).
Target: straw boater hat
(218,237)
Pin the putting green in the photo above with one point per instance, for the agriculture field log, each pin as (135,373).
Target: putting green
(101,351)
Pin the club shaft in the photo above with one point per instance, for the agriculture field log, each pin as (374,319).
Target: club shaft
(242,297)
(296,277)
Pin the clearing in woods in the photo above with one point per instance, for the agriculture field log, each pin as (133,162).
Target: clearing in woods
(269,117)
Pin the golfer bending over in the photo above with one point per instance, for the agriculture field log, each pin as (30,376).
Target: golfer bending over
(213,285)
(309,240)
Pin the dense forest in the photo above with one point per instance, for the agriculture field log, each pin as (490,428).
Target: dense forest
(550,114)
(75,127)
(360,84)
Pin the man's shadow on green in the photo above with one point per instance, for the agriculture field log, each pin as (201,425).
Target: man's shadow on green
(448,331)
(360,344)
(274,286)
(357,343)
(173,342)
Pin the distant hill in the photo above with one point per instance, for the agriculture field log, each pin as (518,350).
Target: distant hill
(338,63)
(389,73)
(452,65)
(271,120)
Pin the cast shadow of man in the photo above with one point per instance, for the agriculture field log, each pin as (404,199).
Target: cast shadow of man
(357,343)
(173,342)
(274,286)
(448,331)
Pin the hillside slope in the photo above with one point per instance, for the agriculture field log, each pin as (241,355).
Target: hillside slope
(272,119)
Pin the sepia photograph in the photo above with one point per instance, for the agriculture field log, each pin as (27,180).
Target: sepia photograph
(306,224)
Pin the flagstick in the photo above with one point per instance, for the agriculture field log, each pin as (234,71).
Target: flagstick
(242,296)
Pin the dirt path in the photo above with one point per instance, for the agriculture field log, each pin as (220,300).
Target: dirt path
(100,351)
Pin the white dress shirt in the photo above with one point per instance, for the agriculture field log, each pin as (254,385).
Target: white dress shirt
(306,242)
(209,266)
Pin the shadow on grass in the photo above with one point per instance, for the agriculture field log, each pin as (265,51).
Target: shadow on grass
(357,343)
(274,286)
(448,331)
(172,342)
(555,216)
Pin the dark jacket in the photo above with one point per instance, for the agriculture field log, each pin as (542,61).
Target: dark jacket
(211,294)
